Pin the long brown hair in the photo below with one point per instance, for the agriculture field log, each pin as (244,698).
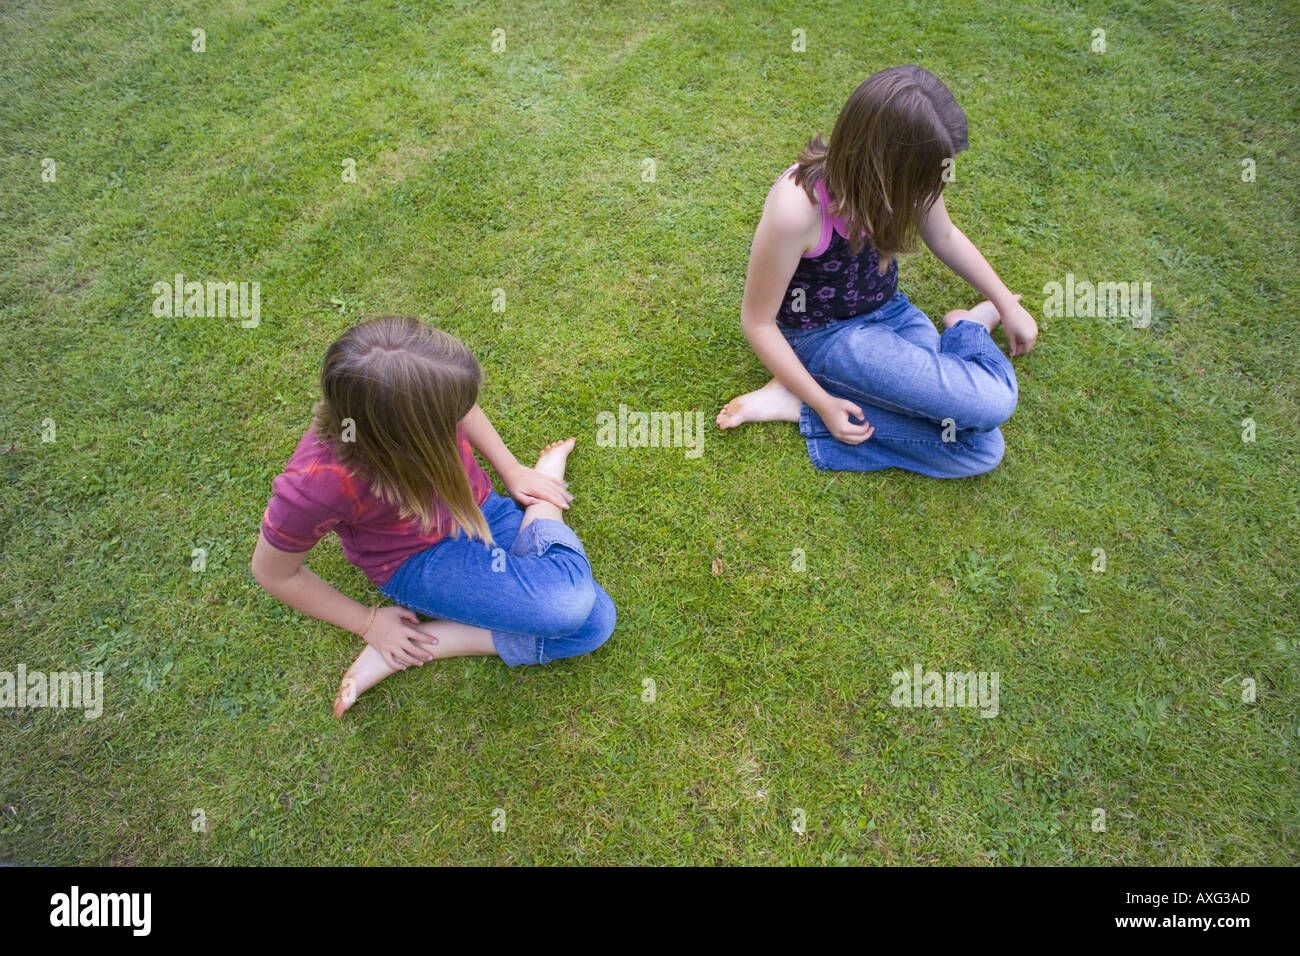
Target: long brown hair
(884,166)
(405,386)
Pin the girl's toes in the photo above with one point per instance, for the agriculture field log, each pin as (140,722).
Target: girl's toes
(347,696)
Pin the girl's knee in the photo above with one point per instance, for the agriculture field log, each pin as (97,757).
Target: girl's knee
(982,453)
(600,624)
(1004,406)
(990,412)
(566,607)
(593,632)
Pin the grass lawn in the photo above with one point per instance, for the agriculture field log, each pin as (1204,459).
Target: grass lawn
(769,603)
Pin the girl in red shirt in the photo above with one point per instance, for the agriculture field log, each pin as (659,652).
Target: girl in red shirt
(388,464)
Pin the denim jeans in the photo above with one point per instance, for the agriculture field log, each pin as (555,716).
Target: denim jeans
(532,589)
(936,401)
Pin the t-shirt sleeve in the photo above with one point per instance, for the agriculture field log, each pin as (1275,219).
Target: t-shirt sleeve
(304,507)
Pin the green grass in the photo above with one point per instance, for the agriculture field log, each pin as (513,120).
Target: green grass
(522,171)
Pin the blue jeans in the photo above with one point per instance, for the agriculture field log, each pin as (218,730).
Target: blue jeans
(532,589)
(936,401)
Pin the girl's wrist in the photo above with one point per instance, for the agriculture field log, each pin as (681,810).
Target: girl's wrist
(367,622)
(1005,303)
(822,403)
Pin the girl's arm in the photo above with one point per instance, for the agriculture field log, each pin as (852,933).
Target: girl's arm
(781,238)
(525,485)
(959,254)
(284,576)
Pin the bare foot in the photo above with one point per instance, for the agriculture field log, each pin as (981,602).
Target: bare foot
(771,403)
(552,460)
(453,640)
(986,314)
(366,671)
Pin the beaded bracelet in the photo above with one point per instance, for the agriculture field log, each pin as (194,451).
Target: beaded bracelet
(373,612)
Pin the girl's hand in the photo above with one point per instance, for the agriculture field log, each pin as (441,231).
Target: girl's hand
(1019,327)
(838,415)
(528,486)
(398,643)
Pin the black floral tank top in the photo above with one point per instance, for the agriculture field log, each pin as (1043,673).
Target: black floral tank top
(830,282)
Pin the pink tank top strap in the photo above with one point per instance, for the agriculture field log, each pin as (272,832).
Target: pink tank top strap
(827,223)
(778,180)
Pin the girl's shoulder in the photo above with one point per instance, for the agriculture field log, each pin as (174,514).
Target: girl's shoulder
(789,195)
(790,209)
(313,476)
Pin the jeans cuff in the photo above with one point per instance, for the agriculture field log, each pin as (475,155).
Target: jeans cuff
(814,433)
(806,415)
(968,337)
(542,533)
(517,649)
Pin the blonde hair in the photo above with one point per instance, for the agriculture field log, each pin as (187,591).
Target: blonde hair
(405,386)
(884,166)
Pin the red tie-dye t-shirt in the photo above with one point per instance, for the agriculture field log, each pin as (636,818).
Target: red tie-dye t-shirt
(315,495)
